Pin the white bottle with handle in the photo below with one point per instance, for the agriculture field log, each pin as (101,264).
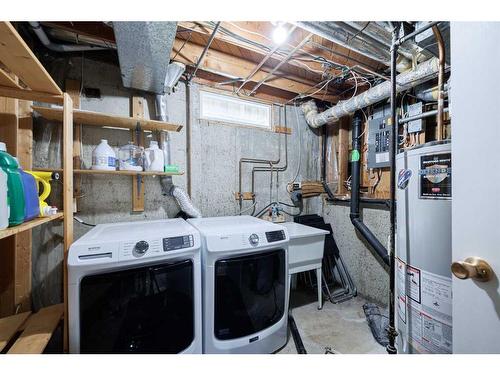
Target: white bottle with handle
(104,157)
(154,158)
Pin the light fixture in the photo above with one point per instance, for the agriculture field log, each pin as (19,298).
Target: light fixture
(280,33)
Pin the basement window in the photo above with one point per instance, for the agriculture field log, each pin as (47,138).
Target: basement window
(231,110)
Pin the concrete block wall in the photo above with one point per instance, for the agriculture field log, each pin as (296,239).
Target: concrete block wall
(369,274)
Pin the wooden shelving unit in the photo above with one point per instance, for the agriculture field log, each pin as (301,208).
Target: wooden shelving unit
(22,80)
(29,225)
(107,120)
(117,173)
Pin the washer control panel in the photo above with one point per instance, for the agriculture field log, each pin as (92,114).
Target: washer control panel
(253,239)
(274,236)
(176,243)
(140,248)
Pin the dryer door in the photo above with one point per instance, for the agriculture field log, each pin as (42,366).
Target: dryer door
(250,294)
(149,309)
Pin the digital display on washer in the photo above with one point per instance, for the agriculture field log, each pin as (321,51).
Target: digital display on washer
(176,243)
(277,235)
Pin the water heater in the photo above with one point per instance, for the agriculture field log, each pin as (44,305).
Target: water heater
(423,292)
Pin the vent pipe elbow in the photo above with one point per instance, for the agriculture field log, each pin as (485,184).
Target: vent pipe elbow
(310,110)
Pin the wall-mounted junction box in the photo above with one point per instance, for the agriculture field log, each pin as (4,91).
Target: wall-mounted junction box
(379,140)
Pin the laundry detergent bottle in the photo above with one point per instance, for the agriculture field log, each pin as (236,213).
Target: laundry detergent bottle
(4,201)
(43,180)
(15,192)
(30,188)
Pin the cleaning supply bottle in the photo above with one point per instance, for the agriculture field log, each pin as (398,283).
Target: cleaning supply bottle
(131,157)
(103,157)
(154,160)
(43,179)
(14,185)
(30,188)
(4,201)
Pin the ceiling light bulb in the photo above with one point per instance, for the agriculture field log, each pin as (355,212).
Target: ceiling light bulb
(280,34)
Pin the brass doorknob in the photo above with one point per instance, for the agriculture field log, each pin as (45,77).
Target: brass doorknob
(472,267)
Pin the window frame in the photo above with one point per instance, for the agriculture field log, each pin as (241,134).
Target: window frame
(236,123)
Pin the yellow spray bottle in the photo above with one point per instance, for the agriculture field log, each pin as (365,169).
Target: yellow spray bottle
(43,179)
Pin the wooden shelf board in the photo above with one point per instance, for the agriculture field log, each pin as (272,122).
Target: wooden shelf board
(38,330)
(102,119)
(29,225)
(7,80)
(20,60)
(24,94)
(119,173)
(9,326)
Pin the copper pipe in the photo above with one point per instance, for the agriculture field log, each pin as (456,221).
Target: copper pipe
(440,108)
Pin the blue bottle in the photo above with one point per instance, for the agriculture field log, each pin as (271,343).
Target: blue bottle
(31,203)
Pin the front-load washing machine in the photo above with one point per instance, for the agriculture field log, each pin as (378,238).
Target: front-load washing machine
(135,287)
(245,284)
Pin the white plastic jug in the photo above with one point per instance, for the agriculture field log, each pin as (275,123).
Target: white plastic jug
(103,157)
(4,203)
(154,158)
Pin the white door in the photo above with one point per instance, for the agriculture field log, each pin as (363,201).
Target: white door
(475,107)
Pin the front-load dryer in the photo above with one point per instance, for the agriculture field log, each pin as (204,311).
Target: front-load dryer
(245,284)
(135,287)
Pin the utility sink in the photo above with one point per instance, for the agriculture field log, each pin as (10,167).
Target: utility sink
(305,249)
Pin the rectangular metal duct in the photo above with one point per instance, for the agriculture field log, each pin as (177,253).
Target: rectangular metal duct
(144,53)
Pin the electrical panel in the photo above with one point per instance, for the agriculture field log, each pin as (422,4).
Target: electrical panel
(415,125)
(379,142)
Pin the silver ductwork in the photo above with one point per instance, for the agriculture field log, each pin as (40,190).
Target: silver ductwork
(337,34)
(369,39)
(404,81)
(144,53)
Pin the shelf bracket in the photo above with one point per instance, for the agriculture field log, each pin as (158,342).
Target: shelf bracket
(138,138)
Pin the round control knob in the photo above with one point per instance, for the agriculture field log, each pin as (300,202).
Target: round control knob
(141,247)
(253,239)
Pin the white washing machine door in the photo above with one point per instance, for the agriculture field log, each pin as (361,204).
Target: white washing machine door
(147,309)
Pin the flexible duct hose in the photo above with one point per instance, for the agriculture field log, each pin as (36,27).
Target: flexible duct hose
(184,202)
(422,73)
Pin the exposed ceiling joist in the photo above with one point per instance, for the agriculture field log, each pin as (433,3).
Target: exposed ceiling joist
(236,67)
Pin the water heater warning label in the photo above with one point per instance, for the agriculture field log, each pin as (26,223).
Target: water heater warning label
(435,176)
(430,316)
(423,304)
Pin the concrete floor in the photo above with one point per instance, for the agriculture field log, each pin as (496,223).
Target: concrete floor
(342,327)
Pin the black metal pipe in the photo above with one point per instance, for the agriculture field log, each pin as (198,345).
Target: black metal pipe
(205,50)
(391,330)
(355,199)
(299,345)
